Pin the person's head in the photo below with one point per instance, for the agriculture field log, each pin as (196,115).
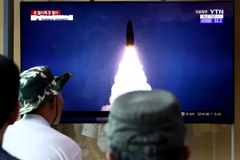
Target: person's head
(146,125)
(9,82)
(40,93)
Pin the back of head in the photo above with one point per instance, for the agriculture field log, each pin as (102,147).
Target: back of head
(146,125)
(9,82)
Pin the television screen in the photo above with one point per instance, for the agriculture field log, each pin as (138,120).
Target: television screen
(118,47)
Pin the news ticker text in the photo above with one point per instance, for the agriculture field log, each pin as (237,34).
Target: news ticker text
(202,114)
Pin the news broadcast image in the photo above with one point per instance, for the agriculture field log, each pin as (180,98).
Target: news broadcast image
(116,48)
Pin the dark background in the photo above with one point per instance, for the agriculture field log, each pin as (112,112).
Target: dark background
(193,61)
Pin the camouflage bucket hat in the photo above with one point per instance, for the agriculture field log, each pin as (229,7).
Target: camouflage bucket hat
(37,86)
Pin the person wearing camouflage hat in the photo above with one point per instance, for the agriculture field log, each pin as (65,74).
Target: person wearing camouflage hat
(146,125)
(41,104)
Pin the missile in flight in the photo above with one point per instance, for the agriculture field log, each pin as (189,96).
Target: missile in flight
(130,34)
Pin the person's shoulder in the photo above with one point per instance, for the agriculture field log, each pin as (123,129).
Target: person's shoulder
(69,147)
(12,130)
(14,126)
(61,143)
(66,145)
(65,141)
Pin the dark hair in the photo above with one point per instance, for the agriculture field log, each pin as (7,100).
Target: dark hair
(170,154)
(9,87)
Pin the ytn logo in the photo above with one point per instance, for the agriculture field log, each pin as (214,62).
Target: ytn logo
(217,11)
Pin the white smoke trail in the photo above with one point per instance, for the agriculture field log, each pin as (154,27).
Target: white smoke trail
(130,76)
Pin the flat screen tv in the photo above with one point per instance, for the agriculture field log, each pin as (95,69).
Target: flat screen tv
(186,48)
